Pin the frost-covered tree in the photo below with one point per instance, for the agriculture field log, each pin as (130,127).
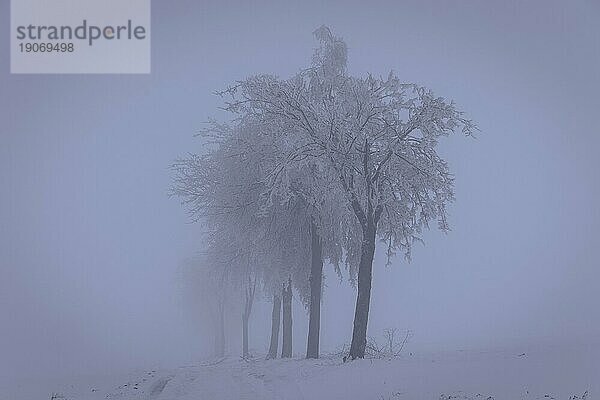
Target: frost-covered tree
(233,271)
(209,184)
(304,187)
(256,236)
(376,136)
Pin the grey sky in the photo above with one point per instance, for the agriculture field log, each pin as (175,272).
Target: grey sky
(90,242)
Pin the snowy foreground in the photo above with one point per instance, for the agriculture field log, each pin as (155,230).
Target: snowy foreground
(541,374)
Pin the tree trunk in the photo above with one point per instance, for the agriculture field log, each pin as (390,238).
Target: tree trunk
(220,348)
(246,316)
(286,346)
(245,352)
(275,322)
(316,280)
(361,313)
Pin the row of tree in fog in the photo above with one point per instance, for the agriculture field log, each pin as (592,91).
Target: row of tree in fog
(313,170)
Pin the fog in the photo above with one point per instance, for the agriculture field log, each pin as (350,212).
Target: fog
(91,244)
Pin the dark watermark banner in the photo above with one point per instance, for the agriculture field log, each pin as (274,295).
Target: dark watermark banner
(80,36)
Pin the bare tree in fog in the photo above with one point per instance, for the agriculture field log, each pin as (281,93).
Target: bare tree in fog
(378,136)
(210,293)
(286,225)
(210,184)
(251,237)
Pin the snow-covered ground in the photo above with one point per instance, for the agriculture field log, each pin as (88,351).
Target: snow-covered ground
(543,373)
